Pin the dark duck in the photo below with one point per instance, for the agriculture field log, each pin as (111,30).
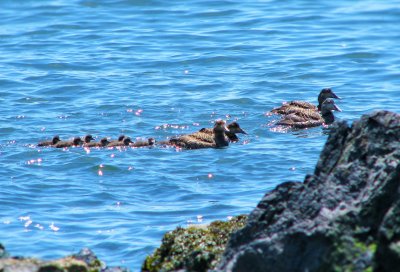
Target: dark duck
(102,143)
(299,106)
(54,141)
(149,142)
(126,141)
(88,138)
(307,120)
(199,140)
(233,128)
(75,142)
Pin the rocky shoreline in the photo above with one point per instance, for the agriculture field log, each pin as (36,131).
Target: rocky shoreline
(344,217)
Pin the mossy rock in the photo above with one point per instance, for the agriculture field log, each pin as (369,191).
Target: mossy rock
(196,248)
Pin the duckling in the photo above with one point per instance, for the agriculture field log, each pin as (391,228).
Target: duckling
(88,138)
(297,120)
(233,129)
(202,140)
(54,141)
(120,139)
(292,106)
(75,142)
(102,143)
(149,142)
(125,142)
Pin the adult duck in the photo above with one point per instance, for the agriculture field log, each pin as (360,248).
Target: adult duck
(75,142)
(298,120)
(53,141)
(294,106)
(204,140)
(233,128)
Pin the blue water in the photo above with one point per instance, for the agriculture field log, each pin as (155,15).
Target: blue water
(159,69)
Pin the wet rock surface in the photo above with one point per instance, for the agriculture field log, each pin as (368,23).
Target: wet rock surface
(344,217)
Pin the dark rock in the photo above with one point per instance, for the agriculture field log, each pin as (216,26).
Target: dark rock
(3,252)
(345,217)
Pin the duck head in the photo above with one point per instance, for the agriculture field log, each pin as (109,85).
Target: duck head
(77,141)
(127,140)
(235,128)
(326,93)
(220,126)
(104,141)
(55,139)
(329,106)
(88,138)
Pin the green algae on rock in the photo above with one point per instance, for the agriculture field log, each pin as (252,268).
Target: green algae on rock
(196,248)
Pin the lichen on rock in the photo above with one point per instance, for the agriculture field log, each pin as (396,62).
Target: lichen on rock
(84,261)
(195,248)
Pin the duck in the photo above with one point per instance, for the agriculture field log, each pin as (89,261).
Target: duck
(233,128)
(203,140)
(88,138)
(102,143)
(149,142)
(75,142)
(54,141)
(299,120)
(120,139)
(294,106)
(126,141)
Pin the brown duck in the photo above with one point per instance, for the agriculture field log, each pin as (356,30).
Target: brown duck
(296,106)
(233,128)
(54,141)
(299,120)
(75,142)
(204,140)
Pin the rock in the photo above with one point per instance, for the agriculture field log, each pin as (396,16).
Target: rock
(344,217)
(84,261)
(3,252)
(196,248)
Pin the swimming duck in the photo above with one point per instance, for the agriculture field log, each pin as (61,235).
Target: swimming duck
(120,139)
(54,141)
(75,142)
(102,143)
(125,142)
(233,129)
(88,138)
(202,140)
(297,120)
(293,106)
(149,142)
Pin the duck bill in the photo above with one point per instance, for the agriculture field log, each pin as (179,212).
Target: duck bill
(242,131)
(336,108)
(335,96)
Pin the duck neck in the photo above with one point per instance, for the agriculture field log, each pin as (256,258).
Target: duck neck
(321,99)
(220,139)
(232,136)
(328,116)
